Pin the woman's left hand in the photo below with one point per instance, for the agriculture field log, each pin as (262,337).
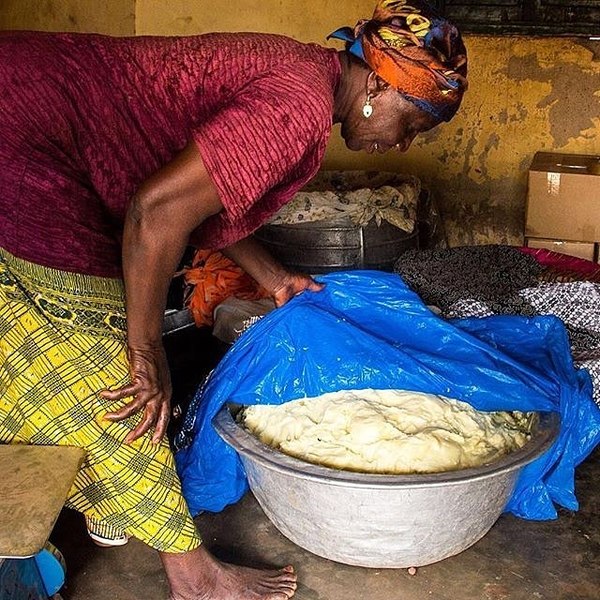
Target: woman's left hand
(291,284)
(151,390)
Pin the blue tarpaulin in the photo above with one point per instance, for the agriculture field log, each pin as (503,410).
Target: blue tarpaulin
(367,329)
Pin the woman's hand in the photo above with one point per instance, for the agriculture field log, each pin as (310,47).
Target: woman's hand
(291,284)
(151,390)
(281,284)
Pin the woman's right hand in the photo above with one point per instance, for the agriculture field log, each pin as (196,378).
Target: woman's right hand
(151,390)
(281,284)
(291,284)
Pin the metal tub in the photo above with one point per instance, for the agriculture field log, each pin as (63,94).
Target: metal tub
(380,521)
(327,246)
(338,245)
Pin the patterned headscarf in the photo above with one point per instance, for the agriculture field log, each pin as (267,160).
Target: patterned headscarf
(416,51)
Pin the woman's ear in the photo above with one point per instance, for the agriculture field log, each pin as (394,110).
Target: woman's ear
(375,85)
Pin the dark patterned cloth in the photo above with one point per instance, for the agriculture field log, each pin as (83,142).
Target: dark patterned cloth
(444,276)
(481,281)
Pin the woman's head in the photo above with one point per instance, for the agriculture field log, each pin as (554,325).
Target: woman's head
(404,72)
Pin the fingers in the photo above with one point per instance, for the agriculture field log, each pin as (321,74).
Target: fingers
(315,286)
(295,285)
(161,423)
(156,414)
(129,409)
(151,390)
(145,424)
(306,282)
(131,389)
(280,299)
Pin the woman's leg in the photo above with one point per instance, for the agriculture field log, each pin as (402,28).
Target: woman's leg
(61,342)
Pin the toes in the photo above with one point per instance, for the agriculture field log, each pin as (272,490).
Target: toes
(281,595)
(286,574)
(282,584)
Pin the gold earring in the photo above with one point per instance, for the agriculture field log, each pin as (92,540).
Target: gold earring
(367,108)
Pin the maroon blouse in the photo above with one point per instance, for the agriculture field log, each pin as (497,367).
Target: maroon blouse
(84,119)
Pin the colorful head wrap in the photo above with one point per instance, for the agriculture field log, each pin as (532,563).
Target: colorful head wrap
(416,51)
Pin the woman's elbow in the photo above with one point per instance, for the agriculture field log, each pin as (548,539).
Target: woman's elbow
(145,211)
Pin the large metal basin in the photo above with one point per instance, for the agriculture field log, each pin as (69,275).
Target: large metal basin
(380,521)
(339,245)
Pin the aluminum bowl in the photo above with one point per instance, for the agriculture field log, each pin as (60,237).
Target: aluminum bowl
(380,521)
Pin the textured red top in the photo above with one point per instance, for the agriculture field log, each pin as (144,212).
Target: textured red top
(84,119)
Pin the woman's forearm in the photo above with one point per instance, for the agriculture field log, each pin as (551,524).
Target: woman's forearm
(166,209)
(257,262)
(151,254)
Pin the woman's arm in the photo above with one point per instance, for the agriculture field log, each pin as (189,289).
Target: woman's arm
(163,213)
(270,274)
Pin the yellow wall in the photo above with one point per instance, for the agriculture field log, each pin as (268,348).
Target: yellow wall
(526,94)
(116,17)
(306,20)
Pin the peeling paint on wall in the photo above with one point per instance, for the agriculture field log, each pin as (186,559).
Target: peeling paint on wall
(525,95)
(572,108)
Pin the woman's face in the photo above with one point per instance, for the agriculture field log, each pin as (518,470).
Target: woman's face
(394,123)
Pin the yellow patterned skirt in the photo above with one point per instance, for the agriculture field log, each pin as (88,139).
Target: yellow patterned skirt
(62,340)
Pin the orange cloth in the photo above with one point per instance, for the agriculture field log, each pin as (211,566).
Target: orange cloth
(213,278)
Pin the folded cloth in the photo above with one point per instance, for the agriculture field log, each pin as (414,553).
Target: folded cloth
(395,204)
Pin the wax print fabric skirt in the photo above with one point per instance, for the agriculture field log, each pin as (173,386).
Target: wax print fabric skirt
(62,340)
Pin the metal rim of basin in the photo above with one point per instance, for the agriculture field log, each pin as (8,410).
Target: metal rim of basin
(251,447)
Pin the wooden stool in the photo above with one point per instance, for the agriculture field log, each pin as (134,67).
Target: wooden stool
(34,483)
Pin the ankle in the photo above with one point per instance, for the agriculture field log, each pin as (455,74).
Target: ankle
(192,575)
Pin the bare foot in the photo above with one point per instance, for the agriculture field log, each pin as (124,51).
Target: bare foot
(197,575)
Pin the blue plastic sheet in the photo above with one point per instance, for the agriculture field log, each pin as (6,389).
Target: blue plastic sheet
(367,329)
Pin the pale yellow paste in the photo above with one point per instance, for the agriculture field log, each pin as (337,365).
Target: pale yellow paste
(388,431)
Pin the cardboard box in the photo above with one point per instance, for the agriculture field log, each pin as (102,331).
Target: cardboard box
(563,197)
(579,249)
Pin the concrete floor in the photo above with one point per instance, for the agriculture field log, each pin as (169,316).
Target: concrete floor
(516,560)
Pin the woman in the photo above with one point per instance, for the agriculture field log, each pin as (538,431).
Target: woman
(115,154)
